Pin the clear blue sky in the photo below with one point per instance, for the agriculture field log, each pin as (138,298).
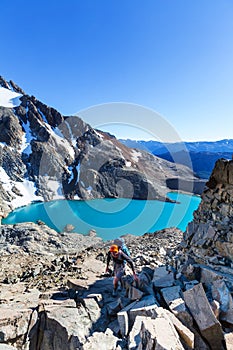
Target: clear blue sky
(171,56)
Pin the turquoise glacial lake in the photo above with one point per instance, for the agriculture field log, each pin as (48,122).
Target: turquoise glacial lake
(110,217)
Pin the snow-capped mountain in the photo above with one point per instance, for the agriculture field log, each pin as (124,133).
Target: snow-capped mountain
(45,155)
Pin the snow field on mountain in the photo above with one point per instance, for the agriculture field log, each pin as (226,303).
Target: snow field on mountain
(27,189)
(9,98)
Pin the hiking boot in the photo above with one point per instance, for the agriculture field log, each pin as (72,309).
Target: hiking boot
(114,293)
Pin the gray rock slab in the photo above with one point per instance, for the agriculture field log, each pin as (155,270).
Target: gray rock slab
(98,297)
(208,276)
(15,297)
(202,313)
(204,233)
(149,311)
(93,308)
(174,301)
(76,284)
(114,307)
(114,326)
(148,302)
(228,339)
(67,327)
(103,341)
(190,284)
(123,321)
(216,272)
(183,331)
(13,323)
(151,332)
(134,293)
(135,336)
(126,317)
(162,277)
(221,293)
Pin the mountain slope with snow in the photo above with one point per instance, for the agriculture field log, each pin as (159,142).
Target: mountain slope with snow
(9,98)
(45,155)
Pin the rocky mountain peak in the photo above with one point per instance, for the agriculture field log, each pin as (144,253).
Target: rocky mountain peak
(10,85)
(4,83)
(64,157)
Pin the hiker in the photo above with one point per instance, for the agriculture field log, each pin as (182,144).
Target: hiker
(118,257)
(120,242)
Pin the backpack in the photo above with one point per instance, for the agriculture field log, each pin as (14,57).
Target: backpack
(120,242)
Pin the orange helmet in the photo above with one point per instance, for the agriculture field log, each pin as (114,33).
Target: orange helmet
(114,248)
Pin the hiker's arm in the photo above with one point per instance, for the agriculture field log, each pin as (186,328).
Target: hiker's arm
(130,262)
(108,261)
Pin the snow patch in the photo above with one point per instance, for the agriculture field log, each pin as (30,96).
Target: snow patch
(3,144)
(56,187)
(43,116)
(58,132)
(100,135)
(89,189)
(26,188)
(78,171)
(70,169)
(8,98)
(72,138)
(59,138)
(26,141)
(135,155)
(128,164)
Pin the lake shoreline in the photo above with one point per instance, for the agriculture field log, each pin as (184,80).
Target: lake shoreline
(110,217)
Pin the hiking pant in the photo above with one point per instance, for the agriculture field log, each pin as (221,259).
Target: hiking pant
(119,271)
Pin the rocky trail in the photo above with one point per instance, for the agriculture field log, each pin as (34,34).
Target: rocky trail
(65,301)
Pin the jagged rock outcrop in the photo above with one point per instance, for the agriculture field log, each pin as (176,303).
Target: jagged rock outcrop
(63,157)
(209,237)
(10,129)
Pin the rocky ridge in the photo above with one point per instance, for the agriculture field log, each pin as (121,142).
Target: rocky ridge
(45,155)
(61,299)
(209,237)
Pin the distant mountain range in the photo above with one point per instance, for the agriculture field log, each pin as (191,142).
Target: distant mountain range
(200,156)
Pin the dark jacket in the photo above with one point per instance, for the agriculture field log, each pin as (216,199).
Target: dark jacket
(120,259)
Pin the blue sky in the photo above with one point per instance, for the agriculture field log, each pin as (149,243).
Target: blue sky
(171,56)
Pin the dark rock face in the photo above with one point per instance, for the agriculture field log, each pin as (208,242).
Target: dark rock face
(10,128)
(12,164)
(208,237)
(222,174)
(4,83)
(66,158)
